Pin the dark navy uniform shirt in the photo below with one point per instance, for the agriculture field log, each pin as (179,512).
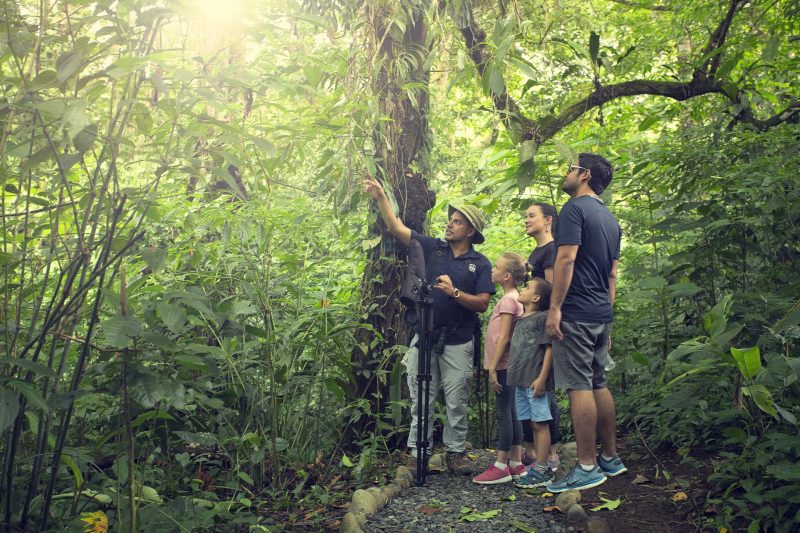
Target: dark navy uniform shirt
(470,272)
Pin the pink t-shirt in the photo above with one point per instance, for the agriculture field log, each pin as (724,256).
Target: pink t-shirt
(508,304)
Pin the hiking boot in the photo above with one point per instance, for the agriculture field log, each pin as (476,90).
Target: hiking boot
(517,471)
(457,463)
(578,479)
(554,463)
(493,476)
(611,468)
(534,478)
(411,464)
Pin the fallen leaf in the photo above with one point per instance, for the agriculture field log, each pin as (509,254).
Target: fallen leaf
(547,495)
(522,526)
(639,479)
(723,530)
(609,504)
(509,498)
(550,509)
(428,510)
(486,515)
(680,496)
(473,456)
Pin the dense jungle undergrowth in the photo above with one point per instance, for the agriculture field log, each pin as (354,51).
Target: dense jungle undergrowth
(199,323)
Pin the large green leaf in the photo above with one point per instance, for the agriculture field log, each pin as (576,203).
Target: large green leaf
(173,316)
(748,360)
(119,330)
(9,407)
(68,64)
(762,398)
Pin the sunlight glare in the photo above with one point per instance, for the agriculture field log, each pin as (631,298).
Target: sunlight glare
(218,14)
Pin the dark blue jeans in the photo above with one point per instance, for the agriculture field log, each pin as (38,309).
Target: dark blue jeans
(509,427)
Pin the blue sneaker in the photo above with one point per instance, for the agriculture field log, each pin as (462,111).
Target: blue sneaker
(534,478)
(611,468)
(578,479)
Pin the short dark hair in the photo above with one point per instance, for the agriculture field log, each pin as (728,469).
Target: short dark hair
(600,169)
(543,289)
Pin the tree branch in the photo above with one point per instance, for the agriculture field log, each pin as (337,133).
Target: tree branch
(703,82)
(643,6)
(547,127)
(713,50)
(475,39)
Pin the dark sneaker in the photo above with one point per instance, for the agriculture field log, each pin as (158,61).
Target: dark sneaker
(578,479)
(534,478)
(611,468)
(457,463)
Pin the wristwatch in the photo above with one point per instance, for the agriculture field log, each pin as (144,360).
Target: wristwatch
(456,294)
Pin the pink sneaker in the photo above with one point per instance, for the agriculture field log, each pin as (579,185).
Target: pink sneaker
(493,476)
(517,471)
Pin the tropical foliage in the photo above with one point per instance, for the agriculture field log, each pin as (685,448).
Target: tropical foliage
(199,312)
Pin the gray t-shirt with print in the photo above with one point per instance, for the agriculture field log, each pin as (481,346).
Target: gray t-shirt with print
(528,345)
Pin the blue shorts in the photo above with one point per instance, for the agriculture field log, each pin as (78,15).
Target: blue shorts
(530,407)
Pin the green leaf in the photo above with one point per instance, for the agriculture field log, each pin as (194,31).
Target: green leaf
(522,526)
(649,121)
(27,364)
(684,289)
(155,257)
(173,316)
(75,119)
(31,395)
(9,408)
(768,54)
(655,282)
(346,461)
(85,138)
(246,478)
(785,471)
(496,83)
(68,64)
(147,390)
(748,359)
(792,318)
(527,149)
(762,398)
(609,504)
(594,46)
(486,515)
(119,330)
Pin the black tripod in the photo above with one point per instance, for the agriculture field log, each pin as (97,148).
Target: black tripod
(416,296)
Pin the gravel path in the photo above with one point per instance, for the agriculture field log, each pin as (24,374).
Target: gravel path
(447,502)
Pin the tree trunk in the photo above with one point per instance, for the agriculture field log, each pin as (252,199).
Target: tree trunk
(399,142)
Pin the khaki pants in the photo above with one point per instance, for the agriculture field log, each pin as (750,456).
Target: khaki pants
(452,370)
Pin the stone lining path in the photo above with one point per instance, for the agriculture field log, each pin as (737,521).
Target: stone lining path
(454,503)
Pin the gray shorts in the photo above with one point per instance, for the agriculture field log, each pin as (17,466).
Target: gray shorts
(579,360)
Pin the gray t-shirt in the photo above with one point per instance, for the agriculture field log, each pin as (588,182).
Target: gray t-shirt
(528,345)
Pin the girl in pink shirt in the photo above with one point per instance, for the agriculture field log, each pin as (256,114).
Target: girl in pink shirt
(509,271)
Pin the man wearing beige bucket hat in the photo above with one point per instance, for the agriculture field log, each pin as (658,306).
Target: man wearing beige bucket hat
(464,285)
